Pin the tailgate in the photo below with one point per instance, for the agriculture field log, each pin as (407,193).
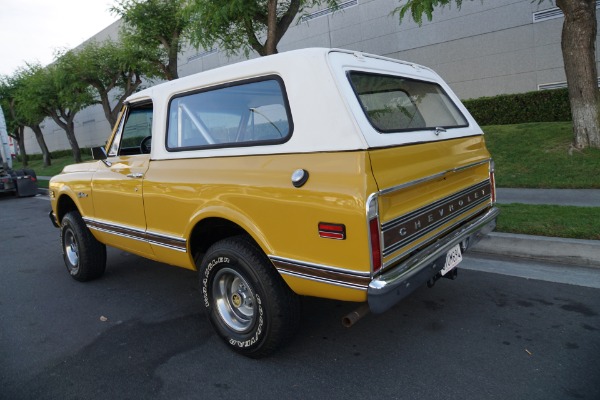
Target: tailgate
(427,190)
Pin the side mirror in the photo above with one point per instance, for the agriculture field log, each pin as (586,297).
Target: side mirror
(99,153)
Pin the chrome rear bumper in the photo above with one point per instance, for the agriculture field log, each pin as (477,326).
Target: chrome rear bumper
(392,286)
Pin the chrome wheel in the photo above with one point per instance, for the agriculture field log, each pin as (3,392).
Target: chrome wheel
(234,300)
(72,251)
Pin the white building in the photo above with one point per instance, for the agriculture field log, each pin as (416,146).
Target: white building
(486,48)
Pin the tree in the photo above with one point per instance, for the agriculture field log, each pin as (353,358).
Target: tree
(13,129)
(155,28)
(109,67)
(60,95)
(21,115)
(245,25)
(579,57)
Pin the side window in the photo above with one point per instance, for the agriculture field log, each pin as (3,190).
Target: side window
(245,114)
(134,127)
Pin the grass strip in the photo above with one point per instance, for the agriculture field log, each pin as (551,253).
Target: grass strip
(554,221)
(57,165)
(539,155)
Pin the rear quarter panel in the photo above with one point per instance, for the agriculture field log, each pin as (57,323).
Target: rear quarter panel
(256,193)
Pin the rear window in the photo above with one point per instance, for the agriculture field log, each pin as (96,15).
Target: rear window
(249,113)
(395,104)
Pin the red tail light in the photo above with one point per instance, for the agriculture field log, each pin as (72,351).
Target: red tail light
(374,232)
(375,244)
(493,181)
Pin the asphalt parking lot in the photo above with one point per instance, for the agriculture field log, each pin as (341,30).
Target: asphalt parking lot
(139,333)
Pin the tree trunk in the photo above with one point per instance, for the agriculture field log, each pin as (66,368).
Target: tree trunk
(172,52)
(105,102)
(271,41)
(579,49)
(42,143)
(21,141)
(69,128)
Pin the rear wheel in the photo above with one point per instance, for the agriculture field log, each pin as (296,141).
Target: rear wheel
(248,303)
(85,257)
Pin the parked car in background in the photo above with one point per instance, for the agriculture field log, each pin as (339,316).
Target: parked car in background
(22,182)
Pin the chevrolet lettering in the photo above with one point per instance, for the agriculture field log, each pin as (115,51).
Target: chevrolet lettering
(316,172)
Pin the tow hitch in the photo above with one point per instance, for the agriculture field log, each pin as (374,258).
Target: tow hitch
(452,274)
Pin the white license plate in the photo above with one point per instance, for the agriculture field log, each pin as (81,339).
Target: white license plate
(453,258)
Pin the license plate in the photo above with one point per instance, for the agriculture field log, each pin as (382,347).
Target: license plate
(453,258)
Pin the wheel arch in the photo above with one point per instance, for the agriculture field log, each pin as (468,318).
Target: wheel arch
(210,230)
(64,205)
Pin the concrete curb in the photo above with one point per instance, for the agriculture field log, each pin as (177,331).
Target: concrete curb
(585,253)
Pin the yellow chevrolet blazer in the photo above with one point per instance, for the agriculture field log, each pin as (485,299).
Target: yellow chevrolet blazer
(316,172)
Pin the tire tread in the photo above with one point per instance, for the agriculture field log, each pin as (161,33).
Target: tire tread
(92,253)
(285,310)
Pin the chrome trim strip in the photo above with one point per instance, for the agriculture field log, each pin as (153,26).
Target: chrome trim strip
(431,177)
(322,274)
(318,266)
(387,264)
(159,239)
(398,245)
(324,280)
(428,211)
(426,208)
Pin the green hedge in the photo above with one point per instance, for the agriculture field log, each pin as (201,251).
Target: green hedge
(55,154)
(539,106)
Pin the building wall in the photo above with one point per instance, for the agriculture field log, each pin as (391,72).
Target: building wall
(486,48)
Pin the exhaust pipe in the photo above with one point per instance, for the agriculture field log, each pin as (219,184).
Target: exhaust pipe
(355,315)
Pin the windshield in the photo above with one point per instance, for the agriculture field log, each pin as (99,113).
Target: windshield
(393,103)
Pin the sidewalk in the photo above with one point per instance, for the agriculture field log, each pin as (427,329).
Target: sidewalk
(560,197)
(566,251)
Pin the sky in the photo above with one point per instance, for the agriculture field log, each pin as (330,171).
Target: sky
(32,30)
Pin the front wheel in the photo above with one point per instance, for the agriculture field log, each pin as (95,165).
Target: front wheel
(85,257)
(248,303)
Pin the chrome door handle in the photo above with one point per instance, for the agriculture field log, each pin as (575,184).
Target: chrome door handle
(136,175)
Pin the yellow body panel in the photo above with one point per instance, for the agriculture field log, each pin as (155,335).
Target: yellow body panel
(413,177)
(118,198)
(257,194)
(75,182)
